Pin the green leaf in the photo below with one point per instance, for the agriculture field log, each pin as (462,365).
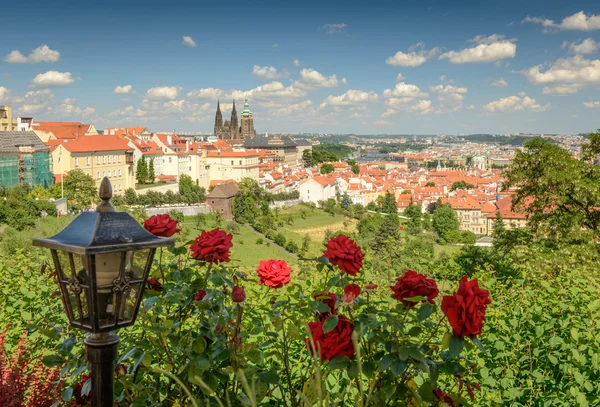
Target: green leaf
(426,391)
(269,377)
(52,360)
(199,345)
(128,354)
(139,402)
(446,340)
(67,394)
(478,343)
(50,333)
(386,362)
(323,260)
(424,312)
(339,362)
(418,298)
(330,323)
(398,367)
(353,370)
(456,346)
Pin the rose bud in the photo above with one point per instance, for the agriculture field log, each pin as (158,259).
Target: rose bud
(154,284)
(370,287)
(200,294)
(120,370)
(238,294)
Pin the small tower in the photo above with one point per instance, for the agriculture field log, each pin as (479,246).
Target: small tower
(218,121)
(247,122)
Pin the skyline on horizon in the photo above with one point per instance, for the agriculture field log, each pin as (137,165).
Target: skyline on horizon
(336,67)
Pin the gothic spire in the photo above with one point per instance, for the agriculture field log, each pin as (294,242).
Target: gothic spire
(218,107)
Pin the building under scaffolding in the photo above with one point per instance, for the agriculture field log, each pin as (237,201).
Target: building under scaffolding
(24,159)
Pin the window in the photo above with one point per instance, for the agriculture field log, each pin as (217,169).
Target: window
(87,161)
(231,162)
(98,174)
(103,173)
(114,173)
(97,160)
(103,159)
(119,173)
(119,158)
(76,162)
(170,161)
(120,187)
(114,158)
(109,159)
(240,162)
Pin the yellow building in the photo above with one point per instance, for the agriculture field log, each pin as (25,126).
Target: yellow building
(6,119)
(98,156)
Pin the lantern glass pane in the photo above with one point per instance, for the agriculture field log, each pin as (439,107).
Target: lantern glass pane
(140,260)
(73,278)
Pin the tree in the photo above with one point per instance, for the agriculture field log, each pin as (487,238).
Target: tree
(372,206)
(387,204)
(250,202)
(327,168)
(346,201)
(307,158)
(141,172)
(305,243)
(461,185)
(130,197)
(558,193)
(356,169)
(80,187)
(445,220)
(430,184)
(413,212)
(329,206)
(151,175)
(189,191)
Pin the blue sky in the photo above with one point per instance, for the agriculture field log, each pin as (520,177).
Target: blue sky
(323,66)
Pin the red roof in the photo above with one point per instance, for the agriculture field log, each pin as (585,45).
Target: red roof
(232,154)
(90,144)
(63,130)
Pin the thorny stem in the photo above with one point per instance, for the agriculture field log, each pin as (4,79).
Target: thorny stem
(162,273)
(286,363)
(207,275)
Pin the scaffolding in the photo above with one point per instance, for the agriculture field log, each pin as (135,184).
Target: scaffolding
(26,168)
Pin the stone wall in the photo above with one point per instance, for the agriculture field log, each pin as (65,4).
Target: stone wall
(285,204)
(186,210)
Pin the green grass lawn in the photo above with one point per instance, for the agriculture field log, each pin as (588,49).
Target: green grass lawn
(447,248)
(246,252)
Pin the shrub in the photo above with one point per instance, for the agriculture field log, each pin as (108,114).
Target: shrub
(279,239)
(259,240)
(291,247)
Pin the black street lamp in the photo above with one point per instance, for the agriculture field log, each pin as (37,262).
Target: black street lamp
(102,260)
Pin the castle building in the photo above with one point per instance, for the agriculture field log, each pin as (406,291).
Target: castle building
(230,129)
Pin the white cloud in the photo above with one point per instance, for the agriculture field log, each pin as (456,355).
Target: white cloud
(400,77)
(500,83)
(574,70)
(267,72)
(587,46)
(334,28)
(561,90)
(443,78)
(163,92)
(124,89)
(296,62)
(53,79)
(422,107)
(515,104)
(471,107)
(592,104)
(405,90)
(350,98)
(188,41)
(490,39)
(294,108)
(40,54)
(484,52)
(206,93)
(578,22)
(382,123)
(4,93)
(454,92)
(311,78)
(273,89)
(416,56)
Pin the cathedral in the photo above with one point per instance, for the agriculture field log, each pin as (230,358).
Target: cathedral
(230,130)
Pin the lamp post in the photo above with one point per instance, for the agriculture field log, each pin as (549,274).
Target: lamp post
(102,261)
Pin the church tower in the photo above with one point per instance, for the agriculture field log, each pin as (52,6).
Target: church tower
(234,127)
(218,121)
(247,122)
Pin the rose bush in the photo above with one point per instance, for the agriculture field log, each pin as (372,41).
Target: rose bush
(214,334)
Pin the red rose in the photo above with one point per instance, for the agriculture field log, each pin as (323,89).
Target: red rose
(329,299)
(238,294)
(351,292)
(413,284)
(465,309)
(344,253)
(370,287)
(200,294)
(273,273)
(212,247)
(154,284)
(336,342)
(161,225)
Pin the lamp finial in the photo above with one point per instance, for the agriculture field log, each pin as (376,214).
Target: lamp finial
(105,193)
